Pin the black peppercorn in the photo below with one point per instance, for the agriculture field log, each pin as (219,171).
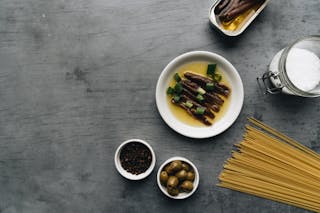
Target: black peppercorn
(135,157)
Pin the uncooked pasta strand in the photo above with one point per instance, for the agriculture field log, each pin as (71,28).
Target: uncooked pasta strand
(250,163)
(269,164)
(284,137)
(262,186)
(254,154)
(268,177)
(292,151)
(270,196)
(274,152)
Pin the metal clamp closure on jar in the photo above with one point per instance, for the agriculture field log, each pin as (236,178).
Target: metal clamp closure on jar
(271,83)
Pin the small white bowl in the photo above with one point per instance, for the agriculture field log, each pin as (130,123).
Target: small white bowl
(129,175)
(182,195)
(236,97)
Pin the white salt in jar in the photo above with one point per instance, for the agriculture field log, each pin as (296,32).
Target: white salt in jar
(295,70)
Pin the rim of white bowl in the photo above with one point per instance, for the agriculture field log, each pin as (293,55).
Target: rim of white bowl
(183,195)
(129,175)
(236,98)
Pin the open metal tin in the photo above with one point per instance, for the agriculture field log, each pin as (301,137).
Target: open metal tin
(245,23)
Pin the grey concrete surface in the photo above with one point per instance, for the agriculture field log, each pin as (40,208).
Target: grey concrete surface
(78,77)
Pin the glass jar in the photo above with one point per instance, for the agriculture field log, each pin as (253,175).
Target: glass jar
(295,70)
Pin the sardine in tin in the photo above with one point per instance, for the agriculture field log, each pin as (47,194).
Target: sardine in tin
(247,21)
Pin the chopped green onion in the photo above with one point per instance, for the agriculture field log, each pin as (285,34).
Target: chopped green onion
(177,77)
(217,77)
(200,110)
(170,91)
(178,88)
(176,98)
(188,104)
(201,91)
(209,86)
(200,97)
(211,69)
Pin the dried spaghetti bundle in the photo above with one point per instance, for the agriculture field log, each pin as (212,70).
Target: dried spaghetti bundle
(271,165)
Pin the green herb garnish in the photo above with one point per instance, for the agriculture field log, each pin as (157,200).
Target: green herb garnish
(178,88)
(201,91)
(170,91)
(200,97)
(200,110)
(176,98)
(209,86)
(211,69)
(188,104)
(177,77)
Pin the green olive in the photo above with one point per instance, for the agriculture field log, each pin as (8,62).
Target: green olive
(168,169)
(164,177)
(190,176)
(172,182)
(181,175)
(173,191)
(176,165)
(186,186)
(185,166)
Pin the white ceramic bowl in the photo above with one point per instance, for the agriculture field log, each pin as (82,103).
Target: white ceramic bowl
(182,195)
(129,175)
(236,97)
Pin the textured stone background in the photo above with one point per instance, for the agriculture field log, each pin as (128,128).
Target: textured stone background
(78,77)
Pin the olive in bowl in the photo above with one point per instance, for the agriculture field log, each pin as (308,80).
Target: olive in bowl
(178,178)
